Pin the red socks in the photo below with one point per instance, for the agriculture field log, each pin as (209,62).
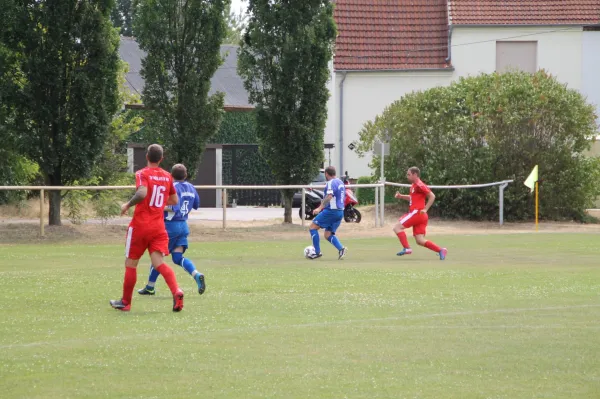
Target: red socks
(129,283)
(432,246)
(169,277)
(403,239)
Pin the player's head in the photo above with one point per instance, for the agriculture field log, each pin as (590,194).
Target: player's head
(329,173)
(413,174)
(154,153)
(179,172)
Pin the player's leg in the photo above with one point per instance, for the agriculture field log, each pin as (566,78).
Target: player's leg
(153,277)
(149,288)
(332,238)
(158,247)
(404,223)
(188,265)
(314,235)
(135,247)
(420,231)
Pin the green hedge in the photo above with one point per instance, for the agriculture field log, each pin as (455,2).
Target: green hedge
(489,128)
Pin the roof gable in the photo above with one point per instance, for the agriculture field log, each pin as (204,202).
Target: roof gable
(524,12)
(391,35)
(225,79)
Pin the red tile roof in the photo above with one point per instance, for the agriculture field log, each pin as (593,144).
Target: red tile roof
(391,34)
(524,12)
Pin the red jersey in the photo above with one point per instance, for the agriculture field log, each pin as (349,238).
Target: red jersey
(149,212)
(418,195)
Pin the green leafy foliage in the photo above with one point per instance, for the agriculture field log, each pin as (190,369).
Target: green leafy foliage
(494,127)
(365,196)
(66,91)
(236,23)
(112,164)
(283,60)
(182,41)
(122,17)
(237,128)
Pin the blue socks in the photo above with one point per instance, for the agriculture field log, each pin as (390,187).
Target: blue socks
(314,234)
(187,264)
(335,242)
(152,278)
(179,260)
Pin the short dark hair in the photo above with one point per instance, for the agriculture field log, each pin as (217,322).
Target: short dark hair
(330,170)
(154,153)
(179,172)
(415,171)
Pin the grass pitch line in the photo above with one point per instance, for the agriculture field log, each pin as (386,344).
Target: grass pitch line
(340,322)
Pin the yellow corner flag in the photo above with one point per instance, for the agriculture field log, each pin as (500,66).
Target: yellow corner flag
(532,179)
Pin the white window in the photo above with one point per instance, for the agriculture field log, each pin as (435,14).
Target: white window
(516,56)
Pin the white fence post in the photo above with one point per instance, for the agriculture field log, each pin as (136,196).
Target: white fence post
(41,212)
(376,206)
(501,202)
(224,208)
(303,205)
(382,201)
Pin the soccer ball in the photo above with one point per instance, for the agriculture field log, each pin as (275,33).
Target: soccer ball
(309,251)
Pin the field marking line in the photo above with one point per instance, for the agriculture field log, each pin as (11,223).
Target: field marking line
(331,323)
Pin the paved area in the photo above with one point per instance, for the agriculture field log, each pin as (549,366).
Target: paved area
(239,214)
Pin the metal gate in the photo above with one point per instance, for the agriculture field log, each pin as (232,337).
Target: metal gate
(243,165)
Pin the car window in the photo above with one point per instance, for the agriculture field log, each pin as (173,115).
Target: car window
(320,178)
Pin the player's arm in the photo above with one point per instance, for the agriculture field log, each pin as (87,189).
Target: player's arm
(324,203)
(402,196)
(196,201)
(138,197)
(430,200)
(173,197)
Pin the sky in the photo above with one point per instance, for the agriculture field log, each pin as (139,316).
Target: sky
(237,4)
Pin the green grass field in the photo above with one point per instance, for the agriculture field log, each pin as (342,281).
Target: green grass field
(506,316)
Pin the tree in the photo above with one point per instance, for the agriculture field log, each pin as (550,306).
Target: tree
(236,23)
(67,91)
(489,128)
(122,17)
(283,60)
(182,40)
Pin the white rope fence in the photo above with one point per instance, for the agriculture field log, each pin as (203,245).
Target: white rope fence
(379,194)
(224,193)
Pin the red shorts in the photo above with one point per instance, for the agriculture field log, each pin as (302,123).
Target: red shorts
(416,220)
(140,239)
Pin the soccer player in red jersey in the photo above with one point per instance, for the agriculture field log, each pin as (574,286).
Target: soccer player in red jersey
(417,215)
(154,191)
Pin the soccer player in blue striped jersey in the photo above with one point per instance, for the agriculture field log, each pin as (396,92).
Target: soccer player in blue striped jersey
(176,217)
(329,215)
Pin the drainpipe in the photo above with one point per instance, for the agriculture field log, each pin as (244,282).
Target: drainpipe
(449,58)
(342,121)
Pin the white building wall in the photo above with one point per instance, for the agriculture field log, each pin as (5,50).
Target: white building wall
(591,69)
(366,94)
(330,127)
(559,50)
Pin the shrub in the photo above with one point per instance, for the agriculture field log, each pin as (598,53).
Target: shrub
(365,196)
(494,127)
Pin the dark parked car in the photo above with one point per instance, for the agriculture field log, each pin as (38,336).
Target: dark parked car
(319,180)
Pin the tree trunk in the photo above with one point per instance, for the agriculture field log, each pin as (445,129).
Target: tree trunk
(55,199)
(288,196)
(54,212)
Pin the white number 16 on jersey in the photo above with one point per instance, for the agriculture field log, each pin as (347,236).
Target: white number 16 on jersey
(158,197)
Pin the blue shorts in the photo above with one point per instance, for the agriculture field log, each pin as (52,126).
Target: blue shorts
(329,219)
(178,232)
